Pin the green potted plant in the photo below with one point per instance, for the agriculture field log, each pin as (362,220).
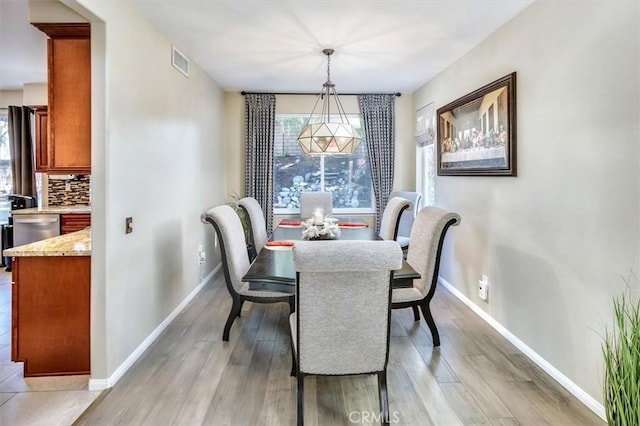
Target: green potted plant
(621,350)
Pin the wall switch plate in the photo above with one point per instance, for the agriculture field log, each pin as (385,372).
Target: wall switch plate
(483,288)
(128,225)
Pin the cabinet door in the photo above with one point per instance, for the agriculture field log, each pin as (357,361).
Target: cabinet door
(74,222)
(41,142)
(69,105)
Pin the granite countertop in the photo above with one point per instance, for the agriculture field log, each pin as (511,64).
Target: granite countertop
(54,210)
(74,244)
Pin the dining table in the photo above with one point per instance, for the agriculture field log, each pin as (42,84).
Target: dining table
(273,268)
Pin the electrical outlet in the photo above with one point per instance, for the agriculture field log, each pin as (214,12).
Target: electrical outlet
(128,225)
(483,288)
(202,255)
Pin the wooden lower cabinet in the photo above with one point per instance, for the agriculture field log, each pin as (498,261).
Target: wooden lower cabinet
(74,222)
(50,314)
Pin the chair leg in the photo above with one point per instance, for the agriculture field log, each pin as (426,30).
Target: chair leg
(294,366)
(426,312)
(416,313)
(384,397)
(300,414)
(235,312)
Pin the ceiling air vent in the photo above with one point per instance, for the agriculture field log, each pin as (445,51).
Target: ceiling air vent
(179,61)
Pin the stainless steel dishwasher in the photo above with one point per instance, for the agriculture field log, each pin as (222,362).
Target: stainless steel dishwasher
(29,228)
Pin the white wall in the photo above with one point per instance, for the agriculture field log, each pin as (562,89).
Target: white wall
(295,104)
(10,98)
(157,139)
(556,240)
(35,94)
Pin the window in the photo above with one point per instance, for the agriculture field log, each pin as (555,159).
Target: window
(6,182)
(426,175)
(348,177)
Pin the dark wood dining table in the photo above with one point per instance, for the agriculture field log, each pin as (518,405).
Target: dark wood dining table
(274,270)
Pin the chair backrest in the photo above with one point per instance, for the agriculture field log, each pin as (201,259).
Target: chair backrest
(309,201)
(391,217)
(408,216)
(235,260)
(258,226)
(343,305)
(427,237)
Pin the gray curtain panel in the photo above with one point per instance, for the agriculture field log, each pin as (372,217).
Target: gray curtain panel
(21,149)
(378,113)
(260,116)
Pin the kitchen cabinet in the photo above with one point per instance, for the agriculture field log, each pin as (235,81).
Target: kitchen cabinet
(68,148)
(74,222)
(50,311)
(41,140)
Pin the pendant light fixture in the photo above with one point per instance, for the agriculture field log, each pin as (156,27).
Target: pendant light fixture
(328,131)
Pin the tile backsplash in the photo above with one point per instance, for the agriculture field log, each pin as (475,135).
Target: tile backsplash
(79,192)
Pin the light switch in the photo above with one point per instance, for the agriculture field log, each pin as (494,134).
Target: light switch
(128,225)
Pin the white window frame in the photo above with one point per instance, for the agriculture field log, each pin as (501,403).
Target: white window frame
(337,211)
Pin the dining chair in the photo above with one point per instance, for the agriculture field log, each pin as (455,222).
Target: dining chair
(258,227)
(407,217)
(235,263)
(391,217)
(341,323)
(309,201)
(427,236)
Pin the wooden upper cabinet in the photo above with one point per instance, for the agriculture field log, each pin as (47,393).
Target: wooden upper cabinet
(41,140)
(69,86)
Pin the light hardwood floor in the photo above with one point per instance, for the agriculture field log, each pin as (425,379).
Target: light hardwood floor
(190,377)
(49,401)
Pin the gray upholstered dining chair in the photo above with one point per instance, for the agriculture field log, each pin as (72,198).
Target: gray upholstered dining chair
(351,280)
(309,201)
(258,227)
(391,217)
(427,238)
(235,263)
(407,217)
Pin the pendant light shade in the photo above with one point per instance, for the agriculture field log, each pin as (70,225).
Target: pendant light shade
(324,133)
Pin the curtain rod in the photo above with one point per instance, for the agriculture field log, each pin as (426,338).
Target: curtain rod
(398,94)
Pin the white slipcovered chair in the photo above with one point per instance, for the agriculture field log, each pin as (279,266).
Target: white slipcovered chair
(235,263)
(407,217)
(391,217)
(341,324)
(427,238)
(258,227)
(309,201)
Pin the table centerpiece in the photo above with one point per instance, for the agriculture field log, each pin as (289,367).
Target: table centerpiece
(320,227)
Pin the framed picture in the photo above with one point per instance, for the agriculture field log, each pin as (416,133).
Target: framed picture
(477,133)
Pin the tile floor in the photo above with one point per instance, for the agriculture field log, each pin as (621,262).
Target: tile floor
(46,401)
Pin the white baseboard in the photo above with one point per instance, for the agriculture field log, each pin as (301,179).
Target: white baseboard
(101,384)
(574,389)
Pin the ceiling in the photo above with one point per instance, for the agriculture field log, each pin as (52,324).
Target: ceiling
(381,46)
